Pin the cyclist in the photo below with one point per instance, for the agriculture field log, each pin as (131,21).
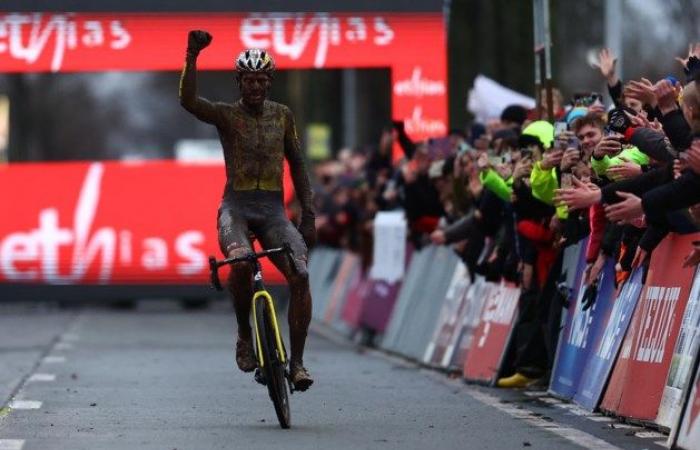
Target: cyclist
(257,135)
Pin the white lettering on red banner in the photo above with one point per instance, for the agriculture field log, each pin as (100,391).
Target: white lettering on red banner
(498,310)
(419,125)
(292,34)
(656,318)
(33,255)
(28,36)
(417,86)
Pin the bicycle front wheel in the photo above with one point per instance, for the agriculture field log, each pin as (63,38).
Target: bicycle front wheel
(273,368)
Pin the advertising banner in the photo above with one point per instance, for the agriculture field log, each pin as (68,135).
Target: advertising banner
(324,264)
(648,345)
(491,337)
(70,42)
(111,223)
(378,304)
(352,310)
(689,430)
(606,345)
(581,330)
(449,316)
(681,371)
(389,248)
(349,264)
(414,286)
(468,320)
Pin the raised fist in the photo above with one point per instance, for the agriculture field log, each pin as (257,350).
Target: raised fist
(197,40)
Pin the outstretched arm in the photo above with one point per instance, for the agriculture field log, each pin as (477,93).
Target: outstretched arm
(202,108)
(300,178)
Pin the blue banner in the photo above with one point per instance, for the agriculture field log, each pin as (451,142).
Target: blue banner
(612,325)
(580,331)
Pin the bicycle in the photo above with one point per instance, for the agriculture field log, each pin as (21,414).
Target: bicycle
(270,350)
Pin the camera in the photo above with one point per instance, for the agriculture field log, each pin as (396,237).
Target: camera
(618,122)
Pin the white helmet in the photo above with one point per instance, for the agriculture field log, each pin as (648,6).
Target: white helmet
(255,60)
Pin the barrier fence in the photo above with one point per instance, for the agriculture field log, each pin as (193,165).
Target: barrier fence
(632,353)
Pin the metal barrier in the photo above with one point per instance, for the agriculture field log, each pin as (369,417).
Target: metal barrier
(324,263)
(686,433)
(488,347)
(468,320)
(414,318)
(681,372)
(438,352)
(648,345)
(349,267)
(580,327)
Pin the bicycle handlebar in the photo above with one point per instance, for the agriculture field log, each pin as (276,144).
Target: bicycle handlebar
(250,257)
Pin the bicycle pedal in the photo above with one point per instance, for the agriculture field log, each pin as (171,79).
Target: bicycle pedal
(259,377)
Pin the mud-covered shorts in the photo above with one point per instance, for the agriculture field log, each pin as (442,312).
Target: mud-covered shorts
(261,214)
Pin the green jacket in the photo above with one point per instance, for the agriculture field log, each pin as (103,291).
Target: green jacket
(601,166)
(496,184)
(543,184)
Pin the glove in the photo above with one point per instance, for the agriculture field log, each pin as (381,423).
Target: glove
(618,122)
(307,228)
(589,296)
(197,40)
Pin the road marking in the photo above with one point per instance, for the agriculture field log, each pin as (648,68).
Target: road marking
(596,418)
(11,444)
(662,443)
(25,404)
(70,337)
(626,426)
(650,435)
(573,409)
(54,359)
(535,394)
(551,401)
(576,436)
(64,346)
(42,377)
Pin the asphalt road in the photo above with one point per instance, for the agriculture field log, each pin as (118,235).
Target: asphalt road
(161,378)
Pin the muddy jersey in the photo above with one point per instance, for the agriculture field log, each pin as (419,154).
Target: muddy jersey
(255,143)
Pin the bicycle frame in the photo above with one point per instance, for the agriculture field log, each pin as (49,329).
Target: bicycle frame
(261,292)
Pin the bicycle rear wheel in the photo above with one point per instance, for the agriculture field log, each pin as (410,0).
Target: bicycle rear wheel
(273,368)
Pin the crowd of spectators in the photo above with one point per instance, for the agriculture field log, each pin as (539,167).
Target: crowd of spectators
(510,195)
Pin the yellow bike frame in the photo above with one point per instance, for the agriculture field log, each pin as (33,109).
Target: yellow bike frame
(278,339)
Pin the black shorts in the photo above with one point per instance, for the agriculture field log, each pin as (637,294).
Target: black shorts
(259,214)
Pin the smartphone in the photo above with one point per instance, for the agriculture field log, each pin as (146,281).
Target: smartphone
(566,180)
(559,128)
(573,142)
(495,160)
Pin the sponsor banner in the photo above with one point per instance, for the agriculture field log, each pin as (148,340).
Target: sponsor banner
(491,336)
(414,286)
(416,42)
(650,339)
(415,315)
(352,310)
(689,431)
(378,304)
(581,330)
(341,285)
(389,248)
(606,345)
(324,264)
(111,223)
(681,371)
(449,317)
(468,320)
